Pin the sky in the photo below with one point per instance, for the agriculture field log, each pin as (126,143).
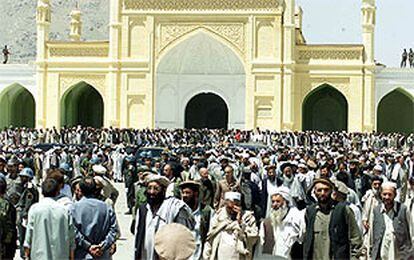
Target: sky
(339,21)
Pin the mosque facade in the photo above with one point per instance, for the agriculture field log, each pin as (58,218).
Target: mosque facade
(209,63)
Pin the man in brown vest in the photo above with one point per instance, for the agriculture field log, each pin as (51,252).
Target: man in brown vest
(284,227)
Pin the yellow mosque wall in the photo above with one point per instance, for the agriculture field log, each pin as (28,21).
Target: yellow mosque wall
(280,68)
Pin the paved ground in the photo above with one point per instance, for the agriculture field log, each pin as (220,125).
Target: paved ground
(126,243)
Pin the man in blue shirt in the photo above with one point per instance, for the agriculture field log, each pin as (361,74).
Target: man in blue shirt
(95,224)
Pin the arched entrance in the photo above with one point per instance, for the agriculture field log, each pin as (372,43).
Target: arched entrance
(325,109)
(206,110)
(202,63)
(396,113)
(17,107)
(82,105)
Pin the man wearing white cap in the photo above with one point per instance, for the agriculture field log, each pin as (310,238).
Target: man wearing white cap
(379,171)
(233,232)
(284,227)
(108,192)
(391,227)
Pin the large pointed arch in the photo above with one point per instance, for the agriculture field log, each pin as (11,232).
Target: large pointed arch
(325,109)
(185,70)
(82,105)
(395,112)
(17,107)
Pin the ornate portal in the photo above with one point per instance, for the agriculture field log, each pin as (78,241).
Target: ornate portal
(247,58)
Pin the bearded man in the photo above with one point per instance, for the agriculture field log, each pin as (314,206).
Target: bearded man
(202,214)
(233,231)
(284,227)
(391,227)
(370,200)
(288,175)
(269,185)
(157,212)
(229,183)
(331,229)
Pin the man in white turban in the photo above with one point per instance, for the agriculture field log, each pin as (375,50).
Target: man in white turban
(284,227)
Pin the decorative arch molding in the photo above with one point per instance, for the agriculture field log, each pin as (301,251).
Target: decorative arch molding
(10,86)
(325,108)
(67,82)
(232,35)
(186,76)
(206,110)
(136,99)
(82,104)
(207,89)
(340,85)
(167,87)
(389,108)
(11,110)
(396,89)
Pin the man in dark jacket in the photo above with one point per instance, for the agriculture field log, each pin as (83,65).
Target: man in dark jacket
(331,229)
(251,194)
(8,231)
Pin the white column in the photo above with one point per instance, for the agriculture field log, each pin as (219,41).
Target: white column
(43,19)
(112,97)
(288,65)
(368,36)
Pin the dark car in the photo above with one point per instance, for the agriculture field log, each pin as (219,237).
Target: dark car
(46,146)
(254,147)
(151,152)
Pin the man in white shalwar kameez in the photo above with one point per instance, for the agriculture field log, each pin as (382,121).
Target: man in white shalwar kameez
(284,227)
(117,158)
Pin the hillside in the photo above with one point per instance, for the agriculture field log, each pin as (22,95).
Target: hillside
(18,24)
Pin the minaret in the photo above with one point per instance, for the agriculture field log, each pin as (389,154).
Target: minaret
(289,47)
(368,33)
(114,75)
(43,19)
(368,29)
(75,24)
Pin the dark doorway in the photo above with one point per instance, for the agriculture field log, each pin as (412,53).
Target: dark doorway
(17,107)
(396,113)
(325,109)
(206,111)
(82,105)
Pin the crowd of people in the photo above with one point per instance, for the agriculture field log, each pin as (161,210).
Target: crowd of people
(224,194)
